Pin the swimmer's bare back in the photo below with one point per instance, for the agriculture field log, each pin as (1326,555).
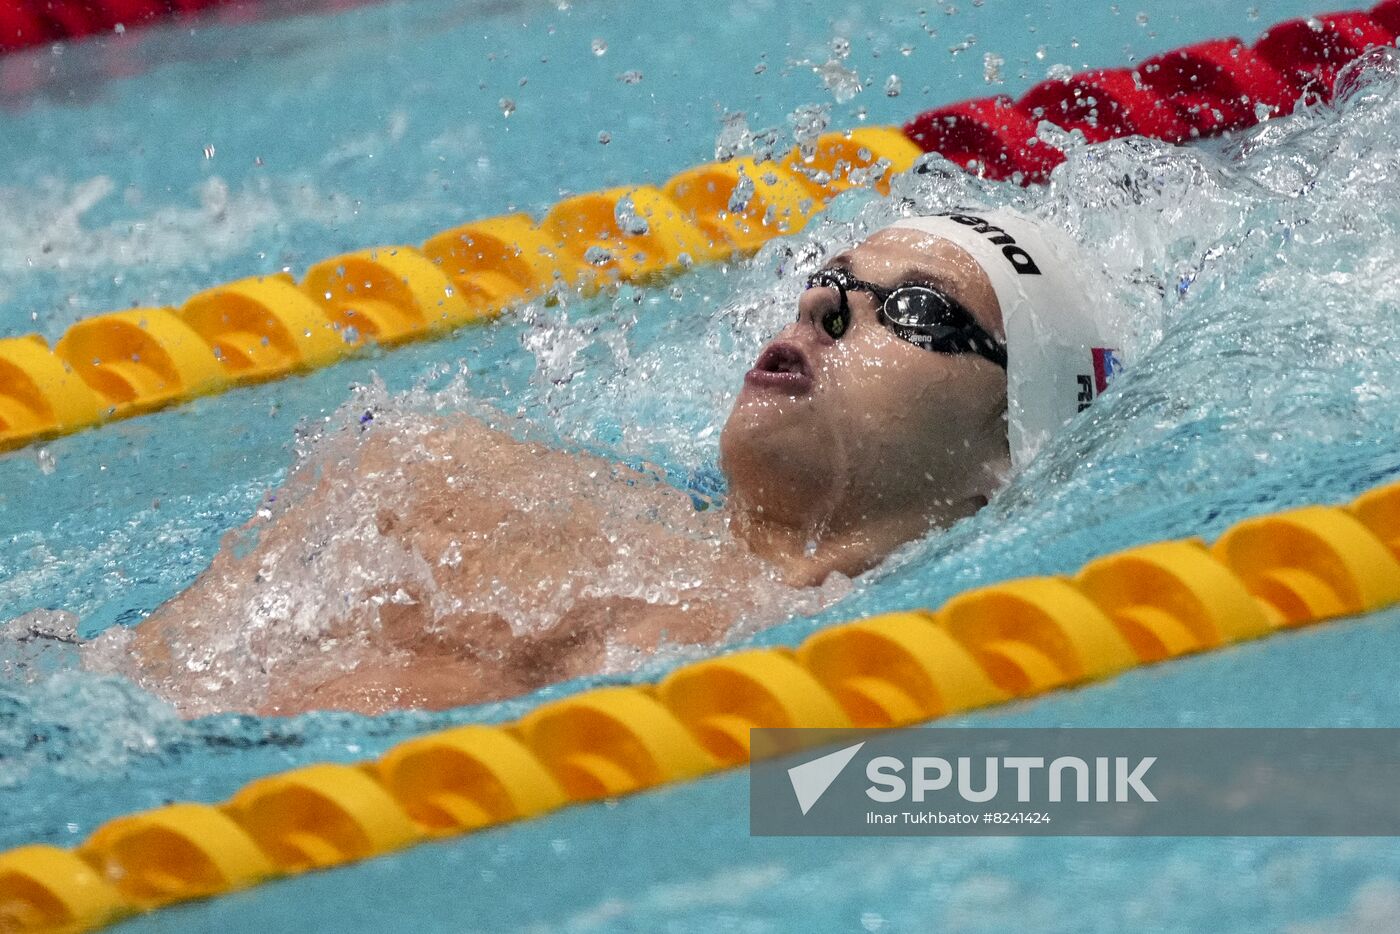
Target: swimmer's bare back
(436,563)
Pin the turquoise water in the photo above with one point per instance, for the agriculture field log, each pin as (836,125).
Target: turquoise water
(1266,362)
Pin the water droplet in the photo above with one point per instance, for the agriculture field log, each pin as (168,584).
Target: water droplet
(1142,19)
(734,137)
(991,67)
(741,195)
(963,46)
(842,82)
(628,220)
(600,48)
(893,86)
(47,462)
(507,107)
(604,137)
(808,122)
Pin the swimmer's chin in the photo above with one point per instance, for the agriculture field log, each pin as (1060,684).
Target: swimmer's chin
(763,409)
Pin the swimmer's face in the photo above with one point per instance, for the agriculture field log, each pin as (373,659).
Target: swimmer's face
(829,433)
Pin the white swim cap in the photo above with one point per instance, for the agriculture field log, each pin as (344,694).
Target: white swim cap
(1061,348)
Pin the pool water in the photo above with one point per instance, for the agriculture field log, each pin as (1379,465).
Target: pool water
(1264,373)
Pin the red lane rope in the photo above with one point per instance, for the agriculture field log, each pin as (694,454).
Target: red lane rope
(1200,90)
(25,23)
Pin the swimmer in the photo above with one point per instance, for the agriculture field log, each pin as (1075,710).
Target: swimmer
(921,368)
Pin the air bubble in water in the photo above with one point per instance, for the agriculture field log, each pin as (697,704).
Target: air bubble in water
(47,462)
(630,77)
(507,106)
(604,137)
(597,256)
(893,86)
(209,150)
(600,48)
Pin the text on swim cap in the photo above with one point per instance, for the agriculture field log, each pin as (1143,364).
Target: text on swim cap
(1020,260)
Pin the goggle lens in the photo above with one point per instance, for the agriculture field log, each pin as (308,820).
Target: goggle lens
(918,314)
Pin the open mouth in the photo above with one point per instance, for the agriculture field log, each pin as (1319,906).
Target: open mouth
(782,365)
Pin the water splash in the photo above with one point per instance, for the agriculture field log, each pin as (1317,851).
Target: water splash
(406,532)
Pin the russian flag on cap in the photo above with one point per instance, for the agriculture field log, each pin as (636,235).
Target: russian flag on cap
(1106,366)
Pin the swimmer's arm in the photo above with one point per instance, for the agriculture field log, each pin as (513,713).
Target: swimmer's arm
(480,510)
(577,647)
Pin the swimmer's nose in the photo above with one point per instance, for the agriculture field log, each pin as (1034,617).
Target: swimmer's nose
(813,305)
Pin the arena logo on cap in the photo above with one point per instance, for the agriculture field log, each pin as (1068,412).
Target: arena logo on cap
(1019,259)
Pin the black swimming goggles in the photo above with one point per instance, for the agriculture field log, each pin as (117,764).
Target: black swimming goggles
(923,316)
